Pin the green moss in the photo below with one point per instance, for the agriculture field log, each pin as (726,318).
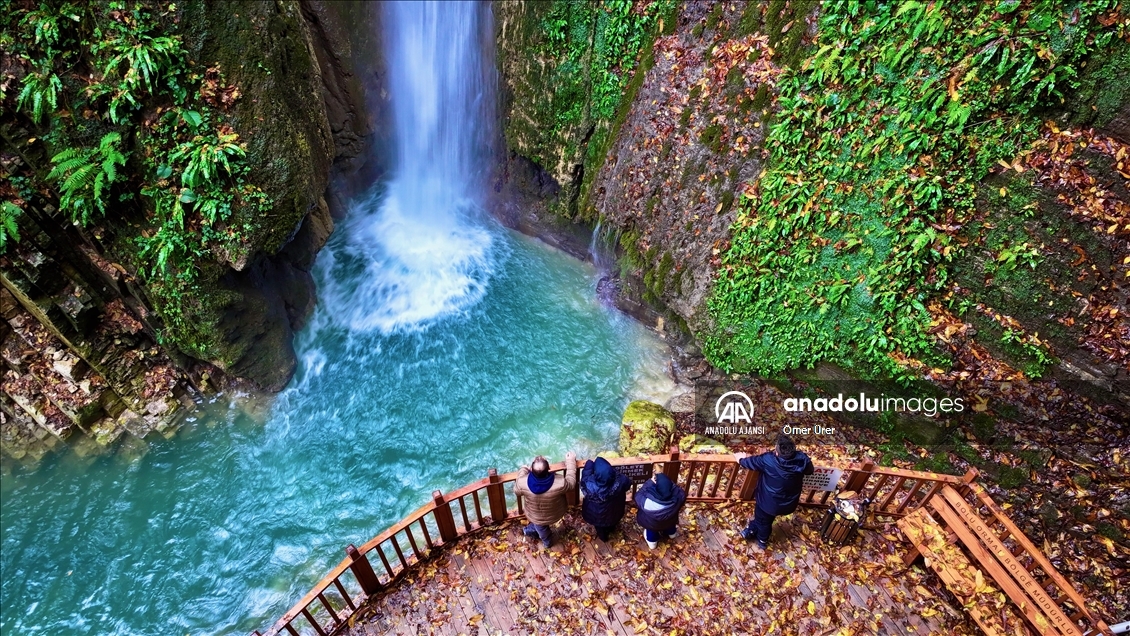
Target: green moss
(936,463)
(790,13)
(983,427)
(645,429)
(1109,530)
(711,137)
(750,21)
(1009,477)
(715,15)
(1103,88)
(727,201)
(629,246)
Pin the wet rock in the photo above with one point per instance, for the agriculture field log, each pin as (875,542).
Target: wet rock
(134,423)
(157,407)
(70,367)
(646,429)
(683,402)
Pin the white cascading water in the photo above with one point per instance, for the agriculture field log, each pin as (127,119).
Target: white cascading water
(426,250)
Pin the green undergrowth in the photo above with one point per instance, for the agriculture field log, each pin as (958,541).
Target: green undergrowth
(136,137)
(894,116)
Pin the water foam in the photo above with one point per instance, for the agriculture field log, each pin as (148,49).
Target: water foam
(419,249)
(402,268)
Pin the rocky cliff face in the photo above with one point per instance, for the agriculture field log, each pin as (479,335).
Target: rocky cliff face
(84,349)
(267,51)
(687,147)
(664,173)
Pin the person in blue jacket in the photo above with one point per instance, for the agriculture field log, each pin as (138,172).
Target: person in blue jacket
(658,502)
(778,490)
(603,503)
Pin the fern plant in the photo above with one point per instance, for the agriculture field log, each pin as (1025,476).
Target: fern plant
(9,212)
(84,176)
(41,90)
(139,62)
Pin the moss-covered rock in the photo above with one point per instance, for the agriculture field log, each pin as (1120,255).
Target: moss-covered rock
(695,443)
(645,429)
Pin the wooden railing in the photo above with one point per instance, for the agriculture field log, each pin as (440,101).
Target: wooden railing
(447,517)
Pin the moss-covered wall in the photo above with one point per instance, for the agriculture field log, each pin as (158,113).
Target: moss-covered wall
(250,286)
(567,72)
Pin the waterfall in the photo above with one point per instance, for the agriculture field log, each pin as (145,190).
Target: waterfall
(594,245)
(419,247)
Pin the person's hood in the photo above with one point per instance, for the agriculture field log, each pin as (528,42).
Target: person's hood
(664,489)
(603,473)
(794,464)
(538,485)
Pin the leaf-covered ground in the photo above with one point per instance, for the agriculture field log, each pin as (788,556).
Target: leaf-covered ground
(705,581)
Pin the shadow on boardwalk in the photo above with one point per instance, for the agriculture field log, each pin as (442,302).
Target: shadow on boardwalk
(705,581)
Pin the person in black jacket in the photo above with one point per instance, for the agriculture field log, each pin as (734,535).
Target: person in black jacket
(603,489)
(778,489)
(658,502)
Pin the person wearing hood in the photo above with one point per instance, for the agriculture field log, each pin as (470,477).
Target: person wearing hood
(778,489)
(658,502)
(545,495)
(603,489)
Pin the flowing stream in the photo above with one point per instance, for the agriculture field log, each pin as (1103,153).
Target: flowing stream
(442,345)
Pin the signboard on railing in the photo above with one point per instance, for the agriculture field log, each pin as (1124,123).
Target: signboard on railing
(638,473)
(823,479)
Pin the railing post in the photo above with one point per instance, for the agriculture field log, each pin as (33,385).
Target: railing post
(749,485)
(573,495)
(671,466)
(445,521)
(496,496)
(363,570)
(968,478)
(859,477)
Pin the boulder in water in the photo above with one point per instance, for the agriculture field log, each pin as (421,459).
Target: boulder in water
(646,429)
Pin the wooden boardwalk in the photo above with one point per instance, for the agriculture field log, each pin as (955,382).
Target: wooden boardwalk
(705,581)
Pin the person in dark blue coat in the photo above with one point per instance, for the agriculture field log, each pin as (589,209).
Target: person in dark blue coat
(778,489)
(603,489)
(658,502)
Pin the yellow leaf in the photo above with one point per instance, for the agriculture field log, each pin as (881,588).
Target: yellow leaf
(1108,543)
(812,608)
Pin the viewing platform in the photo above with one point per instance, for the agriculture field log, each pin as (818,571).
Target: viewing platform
(460,565)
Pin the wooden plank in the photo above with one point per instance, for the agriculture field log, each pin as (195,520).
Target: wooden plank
(975,612)
(498,611)
(456,570)
(1036,554)
(719,471)
(1051,620)
(994,546)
